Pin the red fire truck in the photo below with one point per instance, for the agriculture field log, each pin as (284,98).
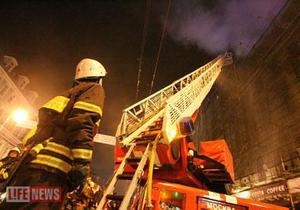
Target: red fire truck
(157,164)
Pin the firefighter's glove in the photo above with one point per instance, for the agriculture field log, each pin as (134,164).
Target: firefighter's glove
(3,175)
(78,174)
(90,188)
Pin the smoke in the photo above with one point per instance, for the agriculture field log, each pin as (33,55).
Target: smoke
(219,25)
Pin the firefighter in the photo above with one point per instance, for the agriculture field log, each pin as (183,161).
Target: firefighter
(63,138)
(8,162)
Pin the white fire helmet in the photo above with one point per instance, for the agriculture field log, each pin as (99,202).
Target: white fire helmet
(16,149)
(89,68)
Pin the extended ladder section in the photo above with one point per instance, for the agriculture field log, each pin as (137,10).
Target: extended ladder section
(175,101)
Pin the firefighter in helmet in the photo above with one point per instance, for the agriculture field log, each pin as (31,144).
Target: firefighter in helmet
(13,152)
(63,138)
(7,163)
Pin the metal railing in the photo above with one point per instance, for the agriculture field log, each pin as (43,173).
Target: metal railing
(185,102)
(138,114)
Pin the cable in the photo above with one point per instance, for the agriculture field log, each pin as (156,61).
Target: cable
(144,36)
(160,45)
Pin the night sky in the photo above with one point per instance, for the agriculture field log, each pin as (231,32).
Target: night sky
(49,38)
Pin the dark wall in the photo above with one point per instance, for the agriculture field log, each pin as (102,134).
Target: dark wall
(103,162)
(255,104)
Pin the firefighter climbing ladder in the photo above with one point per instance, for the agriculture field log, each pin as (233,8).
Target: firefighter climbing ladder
(152,119)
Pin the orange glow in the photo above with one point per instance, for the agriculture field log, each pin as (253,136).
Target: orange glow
(20,115)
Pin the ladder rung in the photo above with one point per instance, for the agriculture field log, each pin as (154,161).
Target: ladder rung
(142,182)
(145,143)
(125,176)
(148,137)
(155,126)
(158,122)
(154,129)
(115,197)
(213,170)
(217,167)
(151,132)
(133,160)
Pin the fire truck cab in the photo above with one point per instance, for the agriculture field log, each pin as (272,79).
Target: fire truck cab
(170,196)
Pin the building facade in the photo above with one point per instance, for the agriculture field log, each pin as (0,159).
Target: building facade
(255,107)
(13,96)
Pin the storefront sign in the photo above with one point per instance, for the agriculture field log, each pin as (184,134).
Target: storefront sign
(270,191)
(275,193)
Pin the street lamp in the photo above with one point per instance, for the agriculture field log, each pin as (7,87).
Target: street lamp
(21,118)
(7,131)
(20,115)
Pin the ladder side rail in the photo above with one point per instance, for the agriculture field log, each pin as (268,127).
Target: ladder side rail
(112,183)
(138,174)
(128,124)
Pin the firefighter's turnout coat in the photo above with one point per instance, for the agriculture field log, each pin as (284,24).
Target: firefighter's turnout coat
(65,130)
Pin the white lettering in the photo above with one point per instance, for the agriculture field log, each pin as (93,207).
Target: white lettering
(276,189)
(23,194)
(257,194)
(48,193)
(34,194)
(17,194)
(56,194)
(12,194)
(42,193)
(214,206)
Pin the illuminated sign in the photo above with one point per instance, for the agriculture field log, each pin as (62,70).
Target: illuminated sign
(275,193)
(261,193)
(208,204)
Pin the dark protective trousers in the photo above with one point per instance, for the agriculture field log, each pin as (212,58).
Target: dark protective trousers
(37,177)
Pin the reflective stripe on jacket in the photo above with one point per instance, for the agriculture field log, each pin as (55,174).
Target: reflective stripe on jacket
(58,103)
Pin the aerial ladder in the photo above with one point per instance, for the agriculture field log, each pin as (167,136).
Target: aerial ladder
(155,120)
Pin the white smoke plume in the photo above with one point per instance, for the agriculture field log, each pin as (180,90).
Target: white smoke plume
(218,25)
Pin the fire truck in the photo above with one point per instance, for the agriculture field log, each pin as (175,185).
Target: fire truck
(157,164)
